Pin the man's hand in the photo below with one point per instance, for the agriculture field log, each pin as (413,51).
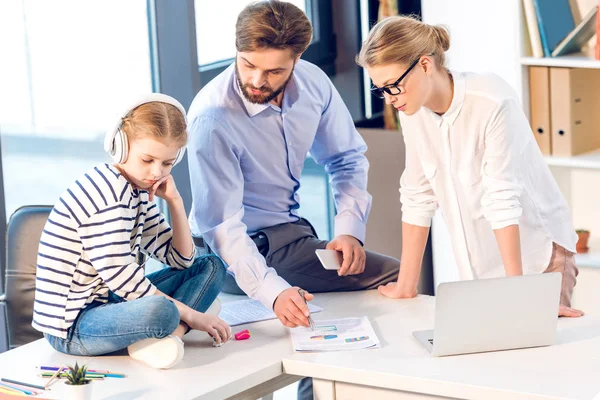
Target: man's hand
(291,309)
(353,254)
(395,290)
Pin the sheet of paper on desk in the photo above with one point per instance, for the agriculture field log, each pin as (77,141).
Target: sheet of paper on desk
(336,335)
(245,311)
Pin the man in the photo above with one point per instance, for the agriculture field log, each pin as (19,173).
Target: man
(251,129)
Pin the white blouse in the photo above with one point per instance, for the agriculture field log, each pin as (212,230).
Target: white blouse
(480,164)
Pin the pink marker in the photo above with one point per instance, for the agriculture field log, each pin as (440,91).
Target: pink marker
(243,335)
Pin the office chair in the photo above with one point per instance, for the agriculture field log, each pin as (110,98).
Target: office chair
(24,230)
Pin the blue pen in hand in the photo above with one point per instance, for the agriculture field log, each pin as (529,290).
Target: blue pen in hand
(310,320)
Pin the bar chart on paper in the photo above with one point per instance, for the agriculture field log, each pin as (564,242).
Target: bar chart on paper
(336,335)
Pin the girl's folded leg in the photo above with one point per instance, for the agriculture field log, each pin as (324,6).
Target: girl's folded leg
(197,286)
(147,322)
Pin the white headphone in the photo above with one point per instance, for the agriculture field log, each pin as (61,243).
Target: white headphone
(115,141)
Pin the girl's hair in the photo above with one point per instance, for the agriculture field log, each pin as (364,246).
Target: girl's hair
(159,120)
(402,40)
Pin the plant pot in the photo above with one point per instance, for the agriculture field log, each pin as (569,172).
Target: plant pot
(79,392)
(582,241)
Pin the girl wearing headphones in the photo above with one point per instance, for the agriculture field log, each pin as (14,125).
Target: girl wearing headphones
(92,296)
(470,151)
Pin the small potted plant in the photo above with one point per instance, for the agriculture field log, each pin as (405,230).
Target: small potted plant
(582,240)
(80,387)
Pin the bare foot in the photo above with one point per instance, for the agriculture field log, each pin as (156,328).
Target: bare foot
(180,330)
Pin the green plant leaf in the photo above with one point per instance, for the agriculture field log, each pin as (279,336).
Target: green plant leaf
(76,375)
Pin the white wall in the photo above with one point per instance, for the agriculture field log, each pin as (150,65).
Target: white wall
(485,35)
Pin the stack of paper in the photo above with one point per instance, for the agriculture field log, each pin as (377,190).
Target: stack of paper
(336,335)
(246,311)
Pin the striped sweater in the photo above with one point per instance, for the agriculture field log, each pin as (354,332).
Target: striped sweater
(90,245)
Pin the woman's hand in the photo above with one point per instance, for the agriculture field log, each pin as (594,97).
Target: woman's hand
(395,290)
(564,311)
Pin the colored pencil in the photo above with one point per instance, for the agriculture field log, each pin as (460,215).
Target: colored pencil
(11,392)
(99,371)
(53,378)
(22,383)
(93,371)
(15,388)
(21,388)
(64,375)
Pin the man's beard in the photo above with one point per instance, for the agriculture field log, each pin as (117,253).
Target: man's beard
(269,94)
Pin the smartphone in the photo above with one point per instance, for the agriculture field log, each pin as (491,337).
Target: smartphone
(331,259)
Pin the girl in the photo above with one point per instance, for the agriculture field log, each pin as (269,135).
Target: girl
(469,148)
(91,296)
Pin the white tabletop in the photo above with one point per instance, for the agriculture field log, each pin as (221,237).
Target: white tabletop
(569,369)
(206,372)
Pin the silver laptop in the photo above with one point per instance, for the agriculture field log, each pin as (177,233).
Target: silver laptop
(494,314)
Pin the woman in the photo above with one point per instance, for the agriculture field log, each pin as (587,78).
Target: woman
(470,151)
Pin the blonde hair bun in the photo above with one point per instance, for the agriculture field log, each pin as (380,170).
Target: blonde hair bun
(401,40)
(443,36)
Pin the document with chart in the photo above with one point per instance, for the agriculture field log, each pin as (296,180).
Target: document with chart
(336,335)
(246,311)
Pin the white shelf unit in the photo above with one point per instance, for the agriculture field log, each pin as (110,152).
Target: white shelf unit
(589,160)
(588,260)
(569,61)
(577,175)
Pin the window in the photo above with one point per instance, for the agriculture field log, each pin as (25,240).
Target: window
(215,28)
(68,70)
(215,34)
(316,199)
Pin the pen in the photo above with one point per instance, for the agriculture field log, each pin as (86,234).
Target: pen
(310,320)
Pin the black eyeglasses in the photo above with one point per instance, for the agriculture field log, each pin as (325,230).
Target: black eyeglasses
(392,88)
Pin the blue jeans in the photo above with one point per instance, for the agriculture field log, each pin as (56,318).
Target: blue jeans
(103,328)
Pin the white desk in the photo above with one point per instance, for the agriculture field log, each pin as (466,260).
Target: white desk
(252,368)
(570,369)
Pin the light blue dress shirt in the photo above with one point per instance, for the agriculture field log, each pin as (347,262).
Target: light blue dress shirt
(245,163)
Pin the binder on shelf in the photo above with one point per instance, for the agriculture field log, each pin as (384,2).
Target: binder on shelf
(539,91)
(578,36)
(533,29)
(574,105)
